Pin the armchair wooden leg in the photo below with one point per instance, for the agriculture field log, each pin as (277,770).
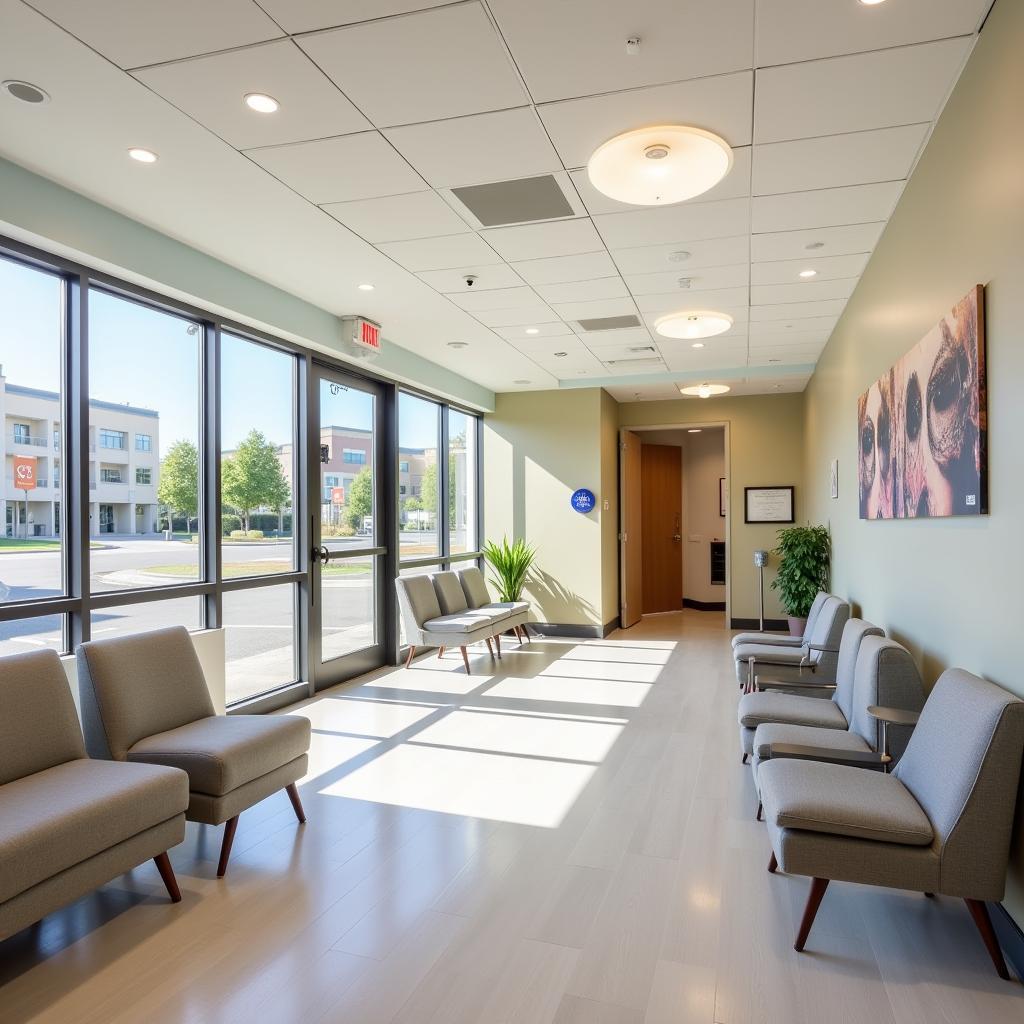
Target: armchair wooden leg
(225,847)
(412,654)
(163,865)
(465,659)
(293,795)
(440,653)
(497,643)
(814,898)
(773,864)
(743,759)
(980,914)
(760,809)
(490,647)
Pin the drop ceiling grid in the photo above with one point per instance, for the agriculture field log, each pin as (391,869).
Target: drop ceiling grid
(835,166)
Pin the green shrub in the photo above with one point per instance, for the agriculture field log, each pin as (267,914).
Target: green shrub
(270,522)
(805,555)
(246,535)
(230,524)
(336,531)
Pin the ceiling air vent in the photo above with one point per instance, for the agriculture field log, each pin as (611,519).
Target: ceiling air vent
(644,361)
(609,323)
(520,201)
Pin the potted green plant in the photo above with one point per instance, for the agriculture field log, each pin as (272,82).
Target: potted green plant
(805,555)
(509,564)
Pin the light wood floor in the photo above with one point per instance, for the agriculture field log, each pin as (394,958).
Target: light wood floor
(566,838)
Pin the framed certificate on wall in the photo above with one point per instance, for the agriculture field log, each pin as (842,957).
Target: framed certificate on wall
(768,505)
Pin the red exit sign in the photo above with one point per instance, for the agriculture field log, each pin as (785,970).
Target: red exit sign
(369,333)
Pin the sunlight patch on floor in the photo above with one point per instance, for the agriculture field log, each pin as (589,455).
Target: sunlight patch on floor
(381,719)
(613,692)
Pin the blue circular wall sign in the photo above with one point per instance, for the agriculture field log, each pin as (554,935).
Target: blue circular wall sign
(583,500)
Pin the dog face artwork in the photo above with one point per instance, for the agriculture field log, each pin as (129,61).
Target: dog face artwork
(921,427)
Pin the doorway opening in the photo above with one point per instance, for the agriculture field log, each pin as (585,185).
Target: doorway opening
(675,521)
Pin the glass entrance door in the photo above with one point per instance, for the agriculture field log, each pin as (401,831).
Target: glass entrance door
(350,523)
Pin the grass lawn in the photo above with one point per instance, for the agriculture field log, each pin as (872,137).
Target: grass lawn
(11,544)
(233,570)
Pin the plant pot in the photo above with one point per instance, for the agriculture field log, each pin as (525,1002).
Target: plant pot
(796,626)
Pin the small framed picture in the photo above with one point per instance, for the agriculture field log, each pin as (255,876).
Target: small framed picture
(768,505)
(833,478)
(723,496)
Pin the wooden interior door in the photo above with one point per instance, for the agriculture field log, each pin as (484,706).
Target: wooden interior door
(661,498)
(631,535)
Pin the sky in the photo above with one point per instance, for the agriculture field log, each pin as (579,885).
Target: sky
(142,357)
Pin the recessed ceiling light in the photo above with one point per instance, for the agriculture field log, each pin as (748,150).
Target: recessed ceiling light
(657,166)
(520,382)
(25,91)
(458,344)
(144,156)
(678,257)
(560,355)
(366,287)
(774,360)
(533,330)
(872,3)
(704,390)
(261,103)
(693,323)
(694,430)
(698,344)
(808,273)
(815,245)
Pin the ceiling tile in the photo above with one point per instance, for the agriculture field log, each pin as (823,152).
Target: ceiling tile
(536,241)
(480,148)
(786,339)
(133,33)
(828,268)
(337,170)
(709,252)
(803,291)
(735,185)
(795,326)
(718,298)
(683,222)
(434,64)
(309,15)
(595,308)
(212,89)
(736,276)
(496,298)
(789,311)
(598,341)
(516,317)
(828,207)
(686,359)
(396,218)
(582,291)
(797,30)
(833,160)
(578,47)
(500,275)
(793,245)
(519,336)
(557,269)
(722,104)
(465,252)
(881,89)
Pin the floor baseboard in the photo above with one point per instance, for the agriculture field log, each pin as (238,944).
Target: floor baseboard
(770,625)
(1010,936)
(704,606)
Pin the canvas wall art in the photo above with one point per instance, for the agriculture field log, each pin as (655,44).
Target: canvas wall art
(922,426)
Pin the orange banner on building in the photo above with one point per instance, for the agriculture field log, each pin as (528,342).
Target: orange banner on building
(24,472)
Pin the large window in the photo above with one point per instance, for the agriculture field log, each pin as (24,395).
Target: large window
(161,467)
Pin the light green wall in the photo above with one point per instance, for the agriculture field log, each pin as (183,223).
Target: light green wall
(765,448)
(951,590)
(539,447)
(39,211)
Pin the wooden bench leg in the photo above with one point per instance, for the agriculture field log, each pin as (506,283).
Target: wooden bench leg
(490,648)
(497,643)
(412,654)
(163,865)
(465,659)
(814,898)
(293,795)
(980,914)
(225,847)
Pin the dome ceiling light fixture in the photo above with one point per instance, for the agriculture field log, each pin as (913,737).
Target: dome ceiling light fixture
(691,324)
(704,390)
(661,165)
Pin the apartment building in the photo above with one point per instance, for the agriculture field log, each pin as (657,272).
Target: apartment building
(124,464)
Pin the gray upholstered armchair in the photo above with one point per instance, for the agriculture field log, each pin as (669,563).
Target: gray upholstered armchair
(818,654)
(144,698)
(784,639)
(940,823)
(773,704)
(69,824)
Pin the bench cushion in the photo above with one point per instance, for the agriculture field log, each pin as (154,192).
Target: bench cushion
(224,752)
(808,736)
(757,708)
(57,818)
(842,801)
(775,654)
(467,622)
(773,639)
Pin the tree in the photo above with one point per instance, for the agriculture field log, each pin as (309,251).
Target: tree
(428,489)
(179,482)
(252,477)
(360,498)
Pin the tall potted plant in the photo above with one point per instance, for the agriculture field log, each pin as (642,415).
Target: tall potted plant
(509,564)
(805,555)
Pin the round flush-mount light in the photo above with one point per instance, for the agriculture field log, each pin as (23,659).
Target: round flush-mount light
(365,287)
(693,323)
(143,156)
(658,166)
(704,390)
(25,91)
(261,103)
